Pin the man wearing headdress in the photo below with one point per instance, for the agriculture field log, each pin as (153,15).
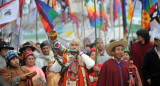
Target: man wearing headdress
(78,64)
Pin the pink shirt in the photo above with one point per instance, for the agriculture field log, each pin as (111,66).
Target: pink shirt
(38,70)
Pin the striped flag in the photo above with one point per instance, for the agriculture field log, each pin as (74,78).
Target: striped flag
(47,15)
(103,18)
(129,9)
(91,14)
(125,27)
(116,9)
(73,18)
(54,5)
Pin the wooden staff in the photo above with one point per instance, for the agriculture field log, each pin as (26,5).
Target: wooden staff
(95,35)
(83,27)
(119,28)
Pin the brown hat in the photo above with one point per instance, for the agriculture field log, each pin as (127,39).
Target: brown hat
(113,44)
(25,45)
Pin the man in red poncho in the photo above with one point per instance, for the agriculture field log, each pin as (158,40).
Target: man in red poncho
(115,71)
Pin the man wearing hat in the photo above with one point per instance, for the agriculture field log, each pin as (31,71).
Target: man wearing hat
(115,71)
(28,46)
(151,64)
(4,47)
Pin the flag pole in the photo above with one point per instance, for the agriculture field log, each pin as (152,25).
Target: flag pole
(74,30)
(130,26)
(2,35)
(20,27)
(83,27)
(95,34)
(36,26)
(119,28)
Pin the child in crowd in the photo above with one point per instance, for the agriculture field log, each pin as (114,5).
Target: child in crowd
(93,78)
(132,67)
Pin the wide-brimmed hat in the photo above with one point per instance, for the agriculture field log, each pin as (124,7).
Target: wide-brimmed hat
(3,44)
(113,44)
(25,45)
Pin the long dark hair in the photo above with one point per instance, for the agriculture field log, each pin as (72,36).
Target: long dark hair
(144,34)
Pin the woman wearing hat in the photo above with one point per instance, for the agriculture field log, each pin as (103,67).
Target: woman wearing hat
(13,73)
(4,47)
(115,71)
(29,64)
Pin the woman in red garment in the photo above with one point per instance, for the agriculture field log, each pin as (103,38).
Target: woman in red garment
(139,48)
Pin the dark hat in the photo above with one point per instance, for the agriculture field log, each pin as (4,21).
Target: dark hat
(3,44)
(44,43)
(25,45)
(9,55)
(157,37)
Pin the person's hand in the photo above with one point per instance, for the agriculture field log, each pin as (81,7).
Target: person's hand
(60,52)
(95,78)
(32,43)
(149,81)
(23,77)
(97,69)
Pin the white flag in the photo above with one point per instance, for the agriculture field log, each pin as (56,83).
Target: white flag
(75,5)
(9,12)
(32,12)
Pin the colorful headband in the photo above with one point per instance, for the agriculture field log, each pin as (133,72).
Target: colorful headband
(29,53)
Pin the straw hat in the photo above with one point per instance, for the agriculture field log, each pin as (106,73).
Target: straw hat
(113,44)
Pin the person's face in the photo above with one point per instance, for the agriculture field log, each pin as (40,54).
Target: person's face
(100,45)
(45,50)
(118,53)
(126,56)
(93,55)
(14,62)
(3,51)
(30,60)
(87,42)
(157,43)
(38,46)
(75,46)
(88,49)
(27,50)
(140,38)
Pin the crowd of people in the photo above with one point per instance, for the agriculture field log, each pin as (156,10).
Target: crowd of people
(114,64)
